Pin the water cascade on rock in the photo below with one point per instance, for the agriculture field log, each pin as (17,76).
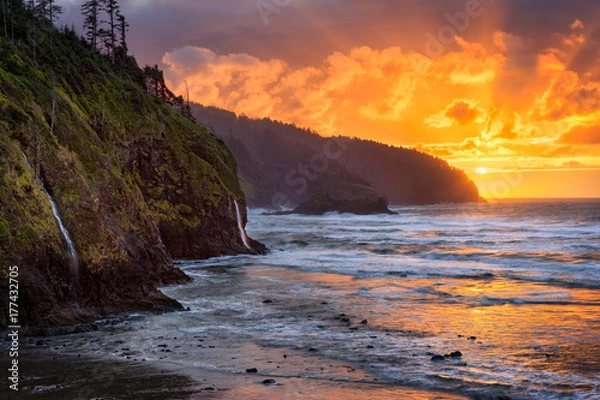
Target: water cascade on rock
(64,233)
(241,227)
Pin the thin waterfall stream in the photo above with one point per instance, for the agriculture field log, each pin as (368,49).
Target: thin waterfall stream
(64,233)
(241,226)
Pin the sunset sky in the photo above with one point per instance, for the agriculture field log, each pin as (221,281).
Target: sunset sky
(511,87)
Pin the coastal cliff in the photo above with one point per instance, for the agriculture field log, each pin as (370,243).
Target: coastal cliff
(134,183)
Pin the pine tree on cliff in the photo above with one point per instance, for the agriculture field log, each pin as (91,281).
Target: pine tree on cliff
(186,107)
(111,8)
(155,82)
(49,10)
(12,20)
(32,8)
(90,11)
(7,13)
(122,27)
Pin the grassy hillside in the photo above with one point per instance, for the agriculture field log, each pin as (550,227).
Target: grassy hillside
(135,182)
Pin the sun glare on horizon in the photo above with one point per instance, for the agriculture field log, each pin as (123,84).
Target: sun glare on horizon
(481,170)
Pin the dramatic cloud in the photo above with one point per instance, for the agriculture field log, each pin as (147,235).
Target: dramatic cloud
(374,85)
(568,97)
(499,101)
(508,80)
(238,82)
(459,112)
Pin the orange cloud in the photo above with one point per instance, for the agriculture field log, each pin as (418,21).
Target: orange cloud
(568,97)
(477,105)
(470,66)
(549,64)
(365,85)
(583,135)
(507,42)
(459,112)
(508,131)
(235,81)
(577,25)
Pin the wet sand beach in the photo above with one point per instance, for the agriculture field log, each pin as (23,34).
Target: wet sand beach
(111,363)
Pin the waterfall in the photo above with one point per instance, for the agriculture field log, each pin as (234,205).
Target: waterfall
(72,253)
(241,226)
(26,161)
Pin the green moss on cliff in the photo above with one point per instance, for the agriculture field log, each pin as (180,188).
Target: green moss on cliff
(135,182)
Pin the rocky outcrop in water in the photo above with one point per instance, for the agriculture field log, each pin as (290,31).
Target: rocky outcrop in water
(345,198)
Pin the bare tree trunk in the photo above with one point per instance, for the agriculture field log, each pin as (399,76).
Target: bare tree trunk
(12,22)
(51,13)
(33,34)
(37,152)
(103,116)
(53,101)
(4,12)
(112,35)
(187,94)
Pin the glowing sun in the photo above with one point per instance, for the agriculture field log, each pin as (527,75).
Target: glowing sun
(481,171)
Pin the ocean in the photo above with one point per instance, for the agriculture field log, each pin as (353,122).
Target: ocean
(514,287)
(480,301)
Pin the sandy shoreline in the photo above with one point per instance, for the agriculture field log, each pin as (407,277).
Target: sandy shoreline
(131,361)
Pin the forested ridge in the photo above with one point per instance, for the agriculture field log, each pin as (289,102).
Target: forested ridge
(281,164)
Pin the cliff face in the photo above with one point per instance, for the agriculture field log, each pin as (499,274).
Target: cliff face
(135,183)
(192,205)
